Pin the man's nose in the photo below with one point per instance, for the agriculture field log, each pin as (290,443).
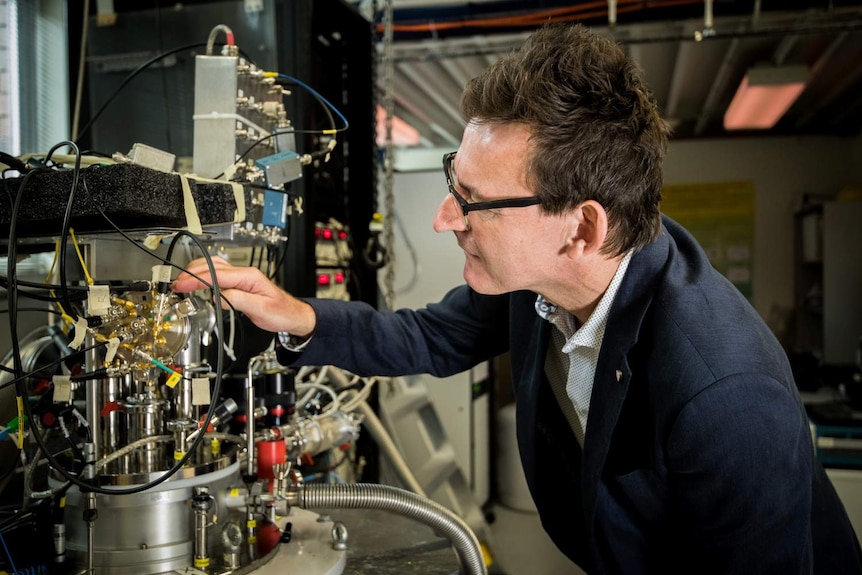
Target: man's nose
(449,217)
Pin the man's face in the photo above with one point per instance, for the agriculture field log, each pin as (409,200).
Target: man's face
(506,249)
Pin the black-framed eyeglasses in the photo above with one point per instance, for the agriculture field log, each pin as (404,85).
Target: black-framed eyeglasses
(467,207)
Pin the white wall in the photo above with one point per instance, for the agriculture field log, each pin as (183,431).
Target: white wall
(782,169)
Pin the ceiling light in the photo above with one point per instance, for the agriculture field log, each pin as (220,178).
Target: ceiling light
(763,96)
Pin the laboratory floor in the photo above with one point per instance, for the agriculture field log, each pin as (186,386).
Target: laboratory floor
(521,546)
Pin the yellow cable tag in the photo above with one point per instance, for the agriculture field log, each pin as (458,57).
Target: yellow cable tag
(174,379)
(251,524)
(178,455)
(204,562)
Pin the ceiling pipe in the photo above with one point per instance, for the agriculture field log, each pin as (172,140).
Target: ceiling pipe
(849,26)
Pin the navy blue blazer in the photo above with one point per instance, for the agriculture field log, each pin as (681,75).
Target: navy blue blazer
(697,456)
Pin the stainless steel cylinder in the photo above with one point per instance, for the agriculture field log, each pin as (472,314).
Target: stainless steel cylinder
(145,419)
(145,533)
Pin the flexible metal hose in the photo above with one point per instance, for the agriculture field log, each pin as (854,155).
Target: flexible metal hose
(402,502)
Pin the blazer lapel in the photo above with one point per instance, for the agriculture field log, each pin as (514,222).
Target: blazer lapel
(613,374)
(609,392)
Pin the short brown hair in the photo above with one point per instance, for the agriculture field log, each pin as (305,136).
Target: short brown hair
(596,130)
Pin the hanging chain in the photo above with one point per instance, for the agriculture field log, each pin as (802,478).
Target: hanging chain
(389,195)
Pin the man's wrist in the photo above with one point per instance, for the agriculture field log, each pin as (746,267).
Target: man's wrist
(293,342)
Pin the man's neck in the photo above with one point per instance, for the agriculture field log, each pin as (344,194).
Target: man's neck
(583,287)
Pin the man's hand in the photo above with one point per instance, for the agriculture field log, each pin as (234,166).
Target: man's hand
(251,292)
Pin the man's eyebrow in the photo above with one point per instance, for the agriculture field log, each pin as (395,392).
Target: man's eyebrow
(470,192)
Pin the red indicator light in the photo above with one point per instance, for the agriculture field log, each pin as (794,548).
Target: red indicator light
(323,279)
(327,234)
(339,278)
(317,232)
(342,235)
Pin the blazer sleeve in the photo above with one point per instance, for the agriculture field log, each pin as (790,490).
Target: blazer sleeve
(742,463)
(442,339)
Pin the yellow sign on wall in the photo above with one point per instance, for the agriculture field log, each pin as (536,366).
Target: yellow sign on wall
(721,218)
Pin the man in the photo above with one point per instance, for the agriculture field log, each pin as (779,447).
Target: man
(658,422)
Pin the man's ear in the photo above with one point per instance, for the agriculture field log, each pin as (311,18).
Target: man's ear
(588,229)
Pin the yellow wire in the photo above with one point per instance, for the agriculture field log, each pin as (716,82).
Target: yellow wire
(63,315)
(53,263)
(80,257)
(20,423)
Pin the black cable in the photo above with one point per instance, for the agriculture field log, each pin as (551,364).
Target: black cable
(114,288)
(255,144)
(38,309)
(132,76)
(24,515)
(290,194)
(49,365)
(12,291)
(166,262)
(128,79)
(37,285)
(45,298)
(67,223)
(83,485)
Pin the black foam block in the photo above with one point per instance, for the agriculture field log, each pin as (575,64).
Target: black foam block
(134,197)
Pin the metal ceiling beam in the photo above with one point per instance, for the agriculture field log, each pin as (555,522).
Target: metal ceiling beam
(817,70)
(718,87)
(456,70)
(430,85)
(417,99)
(678,79)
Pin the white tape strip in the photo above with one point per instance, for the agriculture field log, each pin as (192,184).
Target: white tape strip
(113,346)
(193,220)
(239,196)
(62,389)
(80,333)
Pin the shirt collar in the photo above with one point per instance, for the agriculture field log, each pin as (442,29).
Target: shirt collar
(592,332)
